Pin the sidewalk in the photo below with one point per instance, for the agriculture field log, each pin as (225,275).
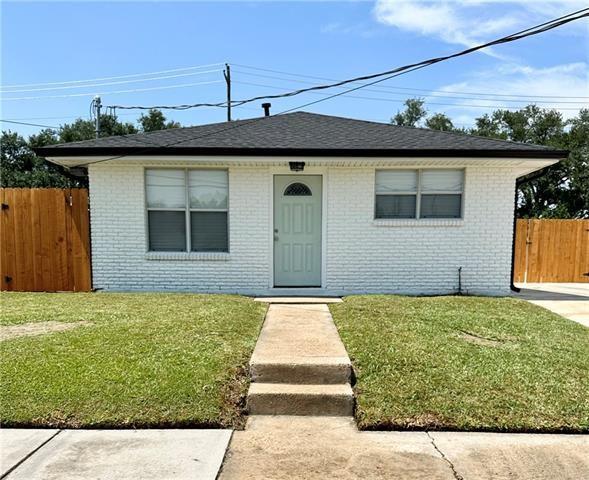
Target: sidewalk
(331,448)
(274,448)
(48,454)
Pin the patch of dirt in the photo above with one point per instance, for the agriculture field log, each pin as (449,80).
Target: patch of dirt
(8,332)
(234,393)
(480,340)
(424,421)
(471,337)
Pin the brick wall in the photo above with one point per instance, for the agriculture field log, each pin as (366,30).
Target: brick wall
(420,256)
(363,255)
(119,243)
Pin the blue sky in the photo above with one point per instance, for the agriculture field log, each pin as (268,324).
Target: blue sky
(62,42)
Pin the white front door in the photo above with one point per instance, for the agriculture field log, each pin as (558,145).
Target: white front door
(297,230)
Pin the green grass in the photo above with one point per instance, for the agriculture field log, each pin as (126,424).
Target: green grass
(146,360)
(417,367)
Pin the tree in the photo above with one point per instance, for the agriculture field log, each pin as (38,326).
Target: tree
(20,167)
(561,192)
(439,121)
(155,120)
(531,124)
(413,114)
(86,129)
(575,191)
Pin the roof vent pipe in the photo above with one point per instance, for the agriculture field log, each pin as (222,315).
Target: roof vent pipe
(266,107)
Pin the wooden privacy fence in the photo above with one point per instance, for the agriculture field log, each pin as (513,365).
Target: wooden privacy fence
(551,251)
(44,240)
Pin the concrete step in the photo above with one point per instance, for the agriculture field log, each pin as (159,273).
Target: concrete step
(295,399)
(298,300)
(299,344)
(326,371)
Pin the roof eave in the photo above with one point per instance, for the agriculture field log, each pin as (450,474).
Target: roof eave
(301,152)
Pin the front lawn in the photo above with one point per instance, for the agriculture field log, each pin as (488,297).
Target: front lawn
(135,360)
(465,363)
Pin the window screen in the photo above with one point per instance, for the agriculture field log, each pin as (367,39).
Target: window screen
(441,193)
(165,188)
(440,206)
(442,181)
(395,206)
(167,231)
(207,189)
(208,231)
(396,193)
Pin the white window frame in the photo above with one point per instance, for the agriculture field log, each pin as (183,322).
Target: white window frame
(187,209)
(418,193)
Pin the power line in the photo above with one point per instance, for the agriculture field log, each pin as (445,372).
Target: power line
(63,117)
(543,27)
(390,87)
(535,30)
(381,90)
(394,100)
(114,78)
(387,75)
(135,90)
(549,25)
(30,124)
(118,82)
(127,114)
(170,107)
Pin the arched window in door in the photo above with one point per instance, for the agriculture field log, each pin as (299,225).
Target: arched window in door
(297,189)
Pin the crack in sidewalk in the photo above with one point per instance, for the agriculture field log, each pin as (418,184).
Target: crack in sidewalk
(29,455)
(457,476)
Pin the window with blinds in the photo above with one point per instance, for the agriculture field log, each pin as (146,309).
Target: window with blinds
(187,210)
(419,193)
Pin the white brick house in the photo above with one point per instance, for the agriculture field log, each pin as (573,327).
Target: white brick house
(376,208)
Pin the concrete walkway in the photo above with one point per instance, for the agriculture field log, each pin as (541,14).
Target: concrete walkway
(326,448)
(300,365)
(36,454)
(571,300)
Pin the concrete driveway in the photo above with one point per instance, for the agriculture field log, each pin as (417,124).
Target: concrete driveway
(571,300)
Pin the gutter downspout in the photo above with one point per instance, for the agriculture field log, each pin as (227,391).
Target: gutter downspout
(511,284)
(518,183)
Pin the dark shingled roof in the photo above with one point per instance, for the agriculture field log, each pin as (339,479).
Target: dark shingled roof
(301,134)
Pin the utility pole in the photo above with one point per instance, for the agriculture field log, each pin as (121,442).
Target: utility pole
(97,107)
(227,75)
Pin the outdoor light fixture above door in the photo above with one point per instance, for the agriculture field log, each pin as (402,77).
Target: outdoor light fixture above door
(296,166)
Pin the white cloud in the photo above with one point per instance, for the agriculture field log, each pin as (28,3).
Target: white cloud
(428,19)
(511,81)
(360,29)
(468,22)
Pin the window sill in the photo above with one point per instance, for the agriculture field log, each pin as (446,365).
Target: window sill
(421,222)
(189,256)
